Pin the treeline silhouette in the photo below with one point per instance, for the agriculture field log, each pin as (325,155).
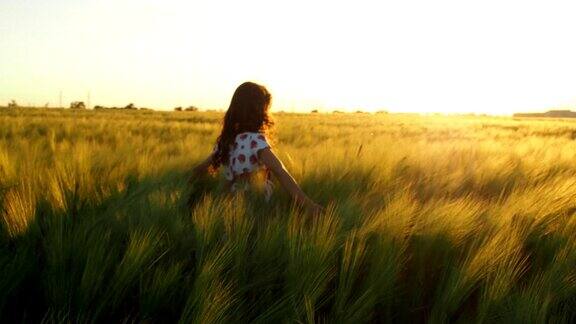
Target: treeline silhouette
(550,113)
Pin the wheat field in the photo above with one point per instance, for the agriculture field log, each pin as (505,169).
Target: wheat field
(429,219)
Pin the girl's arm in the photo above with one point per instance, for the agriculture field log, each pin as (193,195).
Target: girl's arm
(197,181)
(287,181)
(201,169)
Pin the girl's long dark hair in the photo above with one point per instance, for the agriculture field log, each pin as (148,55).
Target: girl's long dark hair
(248,112)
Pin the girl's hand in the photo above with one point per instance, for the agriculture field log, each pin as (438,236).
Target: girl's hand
(271,161)
(200,170)
(195,175)
(314,208)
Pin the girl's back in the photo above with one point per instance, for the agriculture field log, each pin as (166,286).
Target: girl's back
(242,149)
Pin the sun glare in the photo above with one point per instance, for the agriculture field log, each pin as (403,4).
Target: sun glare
(412,56)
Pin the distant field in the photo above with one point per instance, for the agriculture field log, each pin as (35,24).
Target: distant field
(429,219)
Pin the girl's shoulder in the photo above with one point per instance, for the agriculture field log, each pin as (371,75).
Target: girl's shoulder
(251,136)
(251,140)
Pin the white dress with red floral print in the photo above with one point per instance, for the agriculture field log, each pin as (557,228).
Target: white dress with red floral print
(244,159)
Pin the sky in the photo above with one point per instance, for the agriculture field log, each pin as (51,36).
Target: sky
(495,57)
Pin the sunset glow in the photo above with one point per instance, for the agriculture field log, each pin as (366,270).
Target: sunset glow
(494,57)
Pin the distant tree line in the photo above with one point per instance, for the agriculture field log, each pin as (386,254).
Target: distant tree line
(189,108)
(129,106)
(316,111)
(550,113)
(77,105)
(14,104)
(80,105)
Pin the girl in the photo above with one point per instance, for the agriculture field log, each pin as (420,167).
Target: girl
(244,152)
